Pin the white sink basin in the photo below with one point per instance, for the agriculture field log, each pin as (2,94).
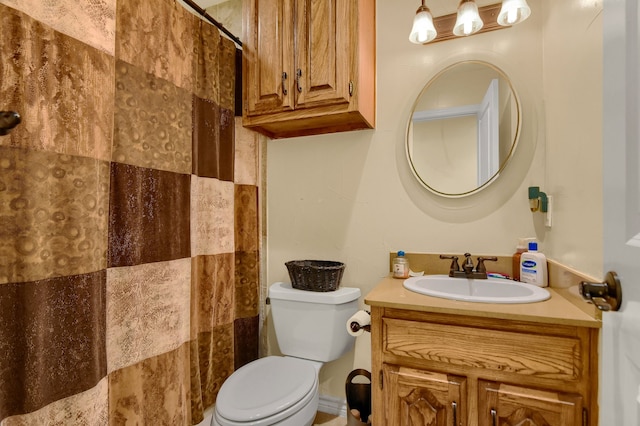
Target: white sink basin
(491,290)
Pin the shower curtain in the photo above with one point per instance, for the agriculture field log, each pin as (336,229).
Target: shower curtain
(129,238)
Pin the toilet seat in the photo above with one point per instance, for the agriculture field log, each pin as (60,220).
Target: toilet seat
(269,389)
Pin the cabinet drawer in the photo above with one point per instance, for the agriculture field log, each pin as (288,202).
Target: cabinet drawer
(532,355)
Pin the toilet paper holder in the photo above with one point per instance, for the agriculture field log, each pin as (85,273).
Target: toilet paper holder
(356,326)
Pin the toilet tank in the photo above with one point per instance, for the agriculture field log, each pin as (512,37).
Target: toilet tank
(313,325)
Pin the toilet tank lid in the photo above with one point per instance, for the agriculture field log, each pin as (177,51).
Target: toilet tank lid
(284,291)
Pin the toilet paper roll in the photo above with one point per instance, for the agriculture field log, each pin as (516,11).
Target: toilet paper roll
(360,319)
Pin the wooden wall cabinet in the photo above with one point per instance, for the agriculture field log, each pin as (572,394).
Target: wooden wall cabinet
(442,369)
(308,66)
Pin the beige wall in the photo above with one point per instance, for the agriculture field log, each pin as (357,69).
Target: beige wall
(351,196)
(229,14)
(573,123)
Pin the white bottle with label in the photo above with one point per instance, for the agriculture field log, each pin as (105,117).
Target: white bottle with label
(400,266)
(533,266)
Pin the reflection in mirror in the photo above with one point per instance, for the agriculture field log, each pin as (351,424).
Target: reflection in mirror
(463,129)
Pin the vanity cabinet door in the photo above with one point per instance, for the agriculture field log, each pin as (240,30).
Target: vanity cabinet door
(500,404)
(422,398)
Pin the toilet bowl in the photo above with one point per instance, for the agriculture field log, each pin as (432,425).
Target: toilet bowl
(283,390)
(270,391)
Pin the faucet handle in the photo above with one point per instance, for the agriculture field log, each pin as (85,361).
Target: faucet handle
(481,268)
(454,263)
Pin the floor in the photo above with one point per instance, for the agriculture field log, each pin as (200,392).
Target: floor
(324,419)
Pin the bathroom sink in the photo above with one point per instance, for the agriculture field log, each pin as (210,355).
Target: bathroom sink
(491,290)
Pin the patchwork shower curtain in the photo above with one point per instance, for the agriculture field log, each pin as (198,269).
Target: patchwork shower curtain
(129,239)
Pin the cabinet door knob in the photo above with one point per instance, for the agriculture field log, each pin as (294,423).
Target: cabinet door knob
(494,417)
(284,83)
(298,77)
(454,407)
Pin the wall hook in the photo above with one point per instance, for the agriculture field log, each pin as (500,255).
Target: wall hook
(8,120)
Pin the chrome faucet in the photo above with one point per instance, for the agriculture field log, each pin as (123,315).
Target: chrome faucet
(468,270)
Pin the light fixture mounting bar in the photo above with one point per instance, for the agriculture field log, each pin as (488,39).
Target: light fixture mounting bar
(488,14)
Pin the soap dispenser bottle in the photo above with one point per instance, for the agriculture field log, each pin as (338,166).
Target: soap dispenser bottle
(533,266)
(400,266)
(523,245)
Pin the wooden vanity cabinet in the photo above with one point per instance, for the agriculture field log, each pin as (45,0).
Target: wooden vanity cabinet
(443,369)
(308,66)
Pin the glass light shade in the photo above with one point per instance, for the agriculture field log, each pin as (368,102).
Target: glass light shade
(513,12)
(423,30)
(468,21)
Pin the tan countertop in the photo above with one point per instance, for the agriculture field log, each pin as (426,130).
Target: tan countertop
(390,293)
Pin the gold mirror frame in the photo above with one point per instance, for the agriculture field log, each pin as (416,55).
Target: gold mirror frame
(516,109)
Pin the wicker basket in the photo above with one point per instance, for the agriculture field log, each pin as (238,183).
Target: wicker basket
(315,275)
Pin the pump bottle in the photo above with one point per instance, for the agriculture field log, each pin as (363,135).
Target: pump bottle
(523,245)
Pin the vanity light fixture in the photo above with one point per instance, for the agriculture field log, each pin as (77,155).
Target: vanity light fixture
(423,30)
(468,20)
(538,200)
(513,12)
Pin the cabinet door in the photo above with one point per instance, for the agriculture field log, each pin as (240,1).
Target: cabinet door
(422,398)
(268,56)
(325,49)
(505,405)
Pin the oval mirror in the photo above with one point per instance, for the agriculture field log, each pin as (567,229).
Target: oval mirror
(463,129)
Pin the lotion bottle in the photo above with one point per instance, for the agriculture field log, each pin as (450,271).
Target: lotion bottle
(523,245)
(400,266)
(533,266)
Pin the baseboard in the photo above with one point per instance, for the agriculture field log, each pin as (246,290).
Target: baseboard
(332,405)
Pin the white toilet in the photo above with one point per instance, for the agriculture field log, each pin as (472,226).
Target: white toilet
(283,390)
